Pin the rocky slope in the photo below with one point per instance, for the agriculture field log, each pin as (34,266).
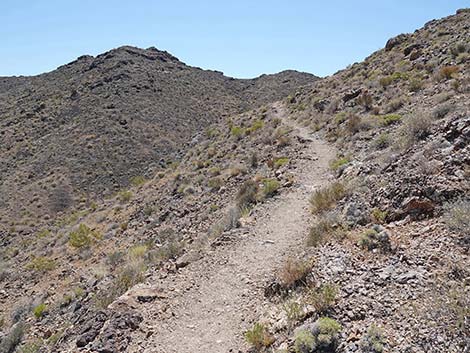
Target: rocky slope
(88,128)
(384,265)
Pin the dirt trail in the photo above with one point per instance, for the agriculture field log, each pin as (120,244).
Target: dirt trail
(214,300)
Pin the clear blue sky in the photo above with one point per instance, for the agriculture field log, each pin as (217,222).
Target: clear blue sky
(242,38)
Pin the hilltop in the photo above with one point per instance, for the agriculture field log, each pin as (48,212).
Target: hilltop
(85,130)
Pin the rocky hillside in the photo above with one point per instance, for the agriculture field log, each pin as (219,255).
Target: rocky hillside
(91,126)
(374,259)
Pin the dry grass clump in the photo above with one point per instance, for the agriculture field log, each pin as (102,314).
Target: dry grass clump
(447,72)
(326,198)
(294,272)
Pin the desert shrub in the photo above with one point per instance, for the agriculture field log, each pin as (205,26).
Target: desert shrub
(325,198)
(321,337)
(247,193)
(328,333)
(447,72)
(457,217)
(441,111)
(375,238)
(125,195)
(84,236)
(215,183)
(270,187)
(294,311)
(279,162)
(304,342)
(353,124)
(137,252)
(322,298)
(39,310)
(340,118)
(44,233)
(10,341)
(339,162)
(41,264)
(115,259)
(326,227)
(378,215)
(259,337)
(138,180)
(385,81)
(416,85)
(382,141)
(416,128)
(389,119)
(373,341)
(257,125)
(459,48)
(394,105)
(253,160)
(237,131)
(366,100)
(294,272)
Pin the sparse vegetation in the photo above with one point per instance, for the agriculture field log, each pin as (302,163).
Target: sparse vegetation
(382,141)
(39,310)
(125,196)
(322,298)
(389,119)
(328,226)
(457,217)
(325,199)
(373,341)
(416,127)
(138,181)
(294,272)
(83,237)
(375,238)
(259,337)
(247,193)
(270,187)
(447,72)
(323,337)
(41,264)
(339,162)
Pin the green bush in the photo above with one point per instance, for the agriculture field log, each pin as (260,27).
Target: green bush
(83,236)
(257,125)
(329,330)
(39,310)
(279,162)
(237,131)
(270,187)
(390,119)
(41,264)
(374,239)
(304,342)
(382,141)
(378,215)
